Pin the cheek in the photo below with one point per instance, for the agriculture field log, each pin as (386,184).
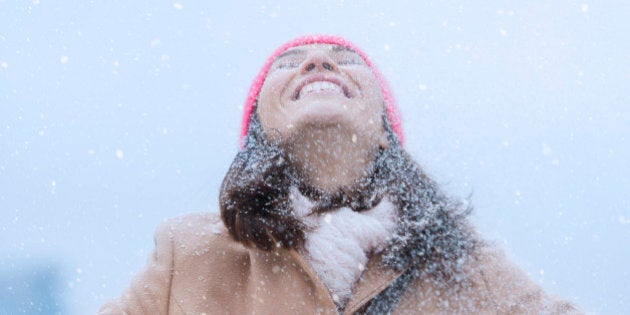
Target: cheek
(373,103)
(367,82)
(268,98)
(371,92)
(267,92)
(270,110)
(274,84)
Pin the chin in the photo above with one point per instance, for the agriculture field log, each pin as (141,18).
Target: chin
(325,122)
(326,113)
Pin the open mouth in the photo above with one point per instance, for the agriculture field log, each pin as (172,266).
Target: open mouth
(320,85)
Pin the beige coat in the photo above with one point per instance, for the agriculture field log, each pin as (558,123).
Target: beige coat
(196,268)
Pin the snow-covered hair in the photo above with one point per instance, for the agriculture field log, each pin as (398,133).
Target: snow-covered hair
(256,205)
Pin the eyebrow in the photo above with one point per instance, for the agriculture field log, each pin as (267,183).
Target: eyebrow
(337,48)
(297,51)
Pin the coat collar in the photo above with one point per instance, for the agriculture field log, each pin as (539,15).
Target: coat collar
(375,278)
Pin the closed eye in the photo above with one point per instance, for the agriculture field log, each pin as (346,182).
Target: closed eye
(349,62)
(287,65)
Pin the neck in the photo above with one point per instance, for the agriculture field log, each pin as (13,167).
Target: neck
(330,158)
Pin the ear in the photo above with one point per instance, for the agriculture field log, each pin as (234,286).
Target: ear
(382,139)
(383,142)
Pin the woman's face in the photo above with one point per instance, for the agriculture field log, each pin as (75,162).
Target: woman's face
(317,86)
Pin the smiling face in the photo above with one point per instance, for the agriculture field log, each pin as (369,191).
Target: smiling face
(320,86)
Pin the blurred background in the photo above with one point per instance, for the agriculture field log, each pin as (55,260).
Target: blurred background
(115,115)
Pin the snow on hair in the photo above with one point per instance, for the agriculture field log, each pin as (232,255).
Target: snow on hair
(254,197)
(432,234)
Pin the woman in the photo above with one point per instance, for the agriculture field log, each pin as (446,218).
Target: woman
(322,211)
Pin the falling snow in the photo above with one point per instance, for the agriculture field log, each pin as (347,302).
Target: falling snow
(519,107)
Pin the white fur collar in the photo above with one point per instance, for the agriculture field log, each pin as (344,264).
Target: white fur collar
(338,242)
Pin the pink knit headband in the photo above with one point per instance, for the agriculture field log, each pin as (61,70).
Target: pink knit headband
(254,90)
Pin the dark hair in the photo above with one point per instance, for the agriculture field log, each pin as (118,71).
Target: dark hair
(256,205)
(254,197)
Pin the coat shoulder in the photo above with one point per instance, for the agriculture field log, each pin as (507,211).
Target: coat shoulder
(511,290)
(488,284)
(191,224)
(199,235)
(188,249)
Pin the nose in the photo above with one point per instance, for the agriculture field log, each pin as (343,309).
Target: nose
(318,61)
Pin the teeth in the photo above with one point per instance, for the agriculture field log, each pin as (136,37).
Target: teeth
(320,86)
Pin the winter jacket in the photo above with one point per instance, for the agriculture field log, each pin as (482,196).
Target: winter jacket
(197,268)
